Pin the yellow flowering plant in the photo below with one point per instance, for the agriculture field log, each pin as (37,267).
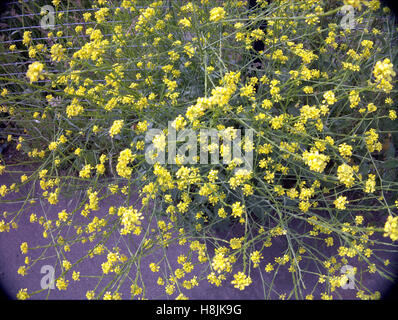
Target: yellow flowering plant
(94,115)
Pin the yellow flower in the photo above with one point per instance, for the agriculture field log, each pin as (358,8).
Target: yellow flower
(90,295)
(221,263)
(125,158)
(269,267)
(22,294)
(315,160)
(24,248)
(66,264)
(329,241)
(391,228)
(185,23)
(76,276)
(329,97)
(181,296)
(154,267)
(74,108)
(160,281)
(354,98)
(34,72)
(325,296)
(241,281)
(345,150)
(141,127)
(179,123)
(131,220)
(22,271)
(135,290)
(170,288)
(217,14)
(372,268)
(237,209)
(256,257)
(32,218)
(52,146)
(370,185)
(383,72)
(86,171)
(340,202)
(371,139)
(62,284)
(57,52)
(236,243)
(371,107)
(222,213)
(27,37)
(392,114)
(101,14)
(116,127)
(304,205)
(345,174)
(159,141)
(358,220)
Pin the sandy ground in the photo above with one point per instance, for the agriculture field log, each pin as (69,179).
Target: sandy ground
(11,258)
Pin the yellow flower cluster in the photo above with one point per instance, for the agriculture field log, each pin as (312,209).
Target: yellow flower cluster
(345,174)
(241,281)
(315,160)
(391,228)
(384,72)
(354,3)
(116,127)
(35,71)
(22,294)
(86,171)
(341,202)
(237,210)
(371,139)
(345,150)
(74,108)
(130,220)
(125,158)
(370,185)
(312,124)
(329,97)
(57,52)
(221,262)
(217,14)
